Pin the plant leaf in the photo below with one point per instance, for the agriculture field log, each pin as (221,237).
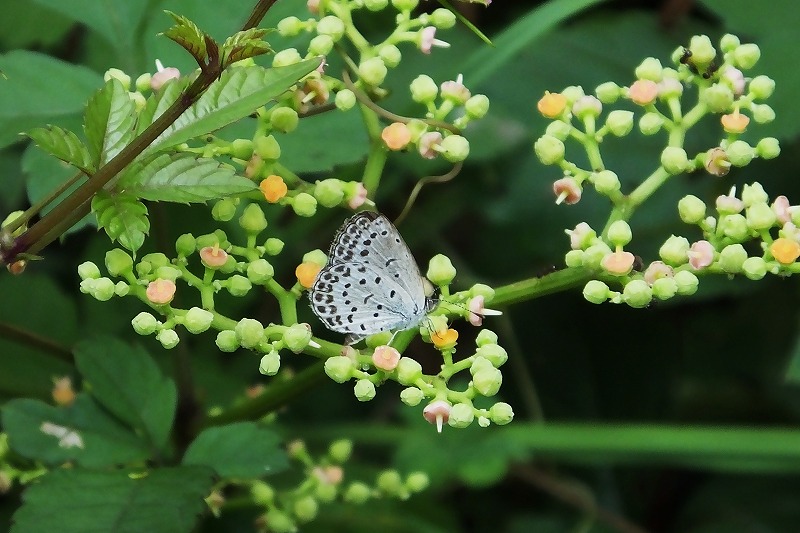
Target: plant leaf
(243,45)
(163,500)
(123,217)
(109,122)
(182,178)
(242,450)
(83,433)
(189,36)
(237,94)
(64,145)
(160,101)
(126,381)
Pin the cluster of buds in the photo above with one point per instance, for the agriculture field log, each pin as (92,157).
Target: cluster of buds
(145,83)
(323,482)
(381,362)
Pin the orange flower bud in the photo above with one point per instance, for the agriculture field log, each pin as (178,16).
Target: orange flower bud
(785,251)
(213,256)
(551,105)
(273,188)
(735,122)
(306,273)
(160,291)
(63,393)
(643,92)
(444,339)
(396,136)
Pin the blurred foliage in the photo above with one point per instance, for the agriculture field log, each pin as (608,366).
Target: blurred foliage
(728,356)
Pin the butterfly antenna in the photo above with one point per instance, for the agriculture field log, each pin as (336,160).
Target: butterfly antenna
(444,178)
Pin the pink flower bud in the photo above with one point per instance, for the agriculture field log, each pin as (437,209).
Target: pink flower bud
(358,199)
(160,291)
(701,254)
(385,358)
(657,270)
(428,142)
(437,412)
(735,79)
(782,209)
(618,263)
(729,204)
(579,238)
(567,190)
(163,75)
(643,92)
(456,90)
(427,40)
(213,256)
(475,307)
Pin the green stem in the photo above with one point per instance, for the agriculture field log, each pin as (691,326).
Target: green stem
(376,159)
(531,288)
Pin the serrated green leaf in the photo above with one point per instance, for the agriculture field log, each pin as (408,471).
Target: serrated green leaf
(237,94)
(126,381)
(165,500)
(64,145)
(29,97)
(189,36)
(109,122)
(182,178)
(123,217)
(243,45)
(243,450)
(83,433)
(160,101)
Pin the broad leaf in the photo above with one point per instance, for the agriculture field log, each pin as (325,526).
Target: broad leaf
(83,433)
(189,36)
(237,94)
(242,450)
(126,381)
(64,145)
(324,141)
(165,500)
(159,101)
(243,45)
(123,217)
(182,178)
(109,122)
(30,96)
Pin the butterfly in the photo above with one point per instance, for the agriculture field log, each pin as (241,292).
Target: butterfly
(371,282)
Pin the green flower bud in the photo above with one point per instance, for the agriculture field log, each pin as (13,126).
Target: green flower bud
(118,263)
(411,396)
(455,148)
(144,323)
(279,522)
(478,364)
(620,123)
(332,26)
(754,268)
(364,390)
(746,56)
(168,338)
(297,337)
(168,272)
(242,149)
(317,257)
(259,272)
(691,209)
(88,270)
(573,93)
(649,69)
(761,87)
(762,114)
(273,246)
(230,265)
(376,5)
(574,258)
(253,220)
(768,148)
(390,483)
(595,253)
(284,119)
(440,270)
(270,363)
(185,245)
(740,153)
(290,26)
(608,92)
(619,233)
(674,251)
(735,226)
(637,293)
(121,288)
(339,368)
(480,289)
(461,415)
(227,341)
(357,493)
(728,42)
(340,450)
(372,71)
(586,107)
(417,481)
(549,150)
(761,216)
(703,52)
(325,492)
(719,97)
(664,288)
(223,210)
(477,106)
(306,508)
(753,194)
(408,371)
(197,320)
(329,192)
(732,257)
(378,339)
(286,57)
(495,354)
(267,148)
(239,285)
(596,292)
(120,76)
(687,282)
(249,332)
(487,381)
(101,289)
(304,205)
(605,182)
(262,493)
(321,45)
(423,89)
(501,413)
(345,99)
(674,159)
(650,123)
(391,55)
(443,19)
(558,129)
(156,260)
(142,83)
(486,336)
